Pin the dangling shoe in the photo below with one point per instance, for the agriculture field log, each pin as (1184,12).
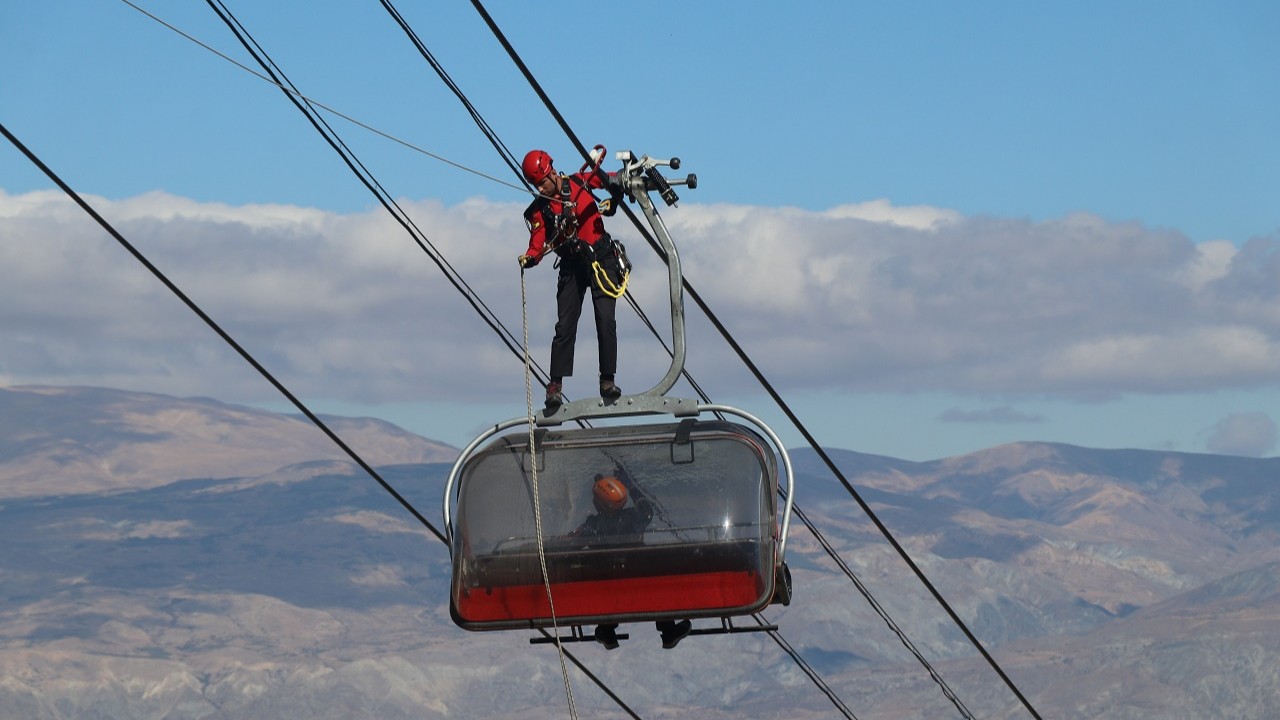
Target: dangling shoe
(607,635)
(609,390)
(555,398)
(673,632)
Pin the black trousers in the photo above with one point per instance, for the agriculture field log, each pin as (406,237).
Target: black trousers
(571,287)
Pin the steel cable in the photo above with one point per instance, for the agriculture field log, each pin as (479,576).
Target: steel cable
(884,530)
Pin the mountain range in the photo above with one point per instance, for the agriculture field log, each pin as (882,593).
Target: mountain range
(180,558)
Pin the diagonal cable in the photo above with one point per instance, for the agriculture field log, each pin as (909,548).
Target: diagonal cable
(884,530)
(191,304)
(502,149)
(306,107)
(220,332)
(884,614)
(507,156)
(371,183)
(688,287)
(806,668)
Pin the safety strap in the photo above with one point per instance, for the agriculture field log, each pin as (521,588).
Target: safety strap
(606,284)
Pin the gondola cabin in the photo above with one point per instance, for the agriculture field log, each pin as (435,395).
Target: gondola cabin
(647,522)
(665,521)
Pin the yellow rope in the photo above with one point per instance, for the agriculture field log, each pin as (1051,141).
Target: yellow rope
(606,284)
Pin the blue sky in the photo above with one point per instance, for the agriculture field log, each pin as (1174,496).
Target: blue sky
(938,227)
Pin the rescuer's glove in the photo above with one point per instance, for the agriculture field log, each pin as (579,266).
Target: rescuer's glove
(526,261)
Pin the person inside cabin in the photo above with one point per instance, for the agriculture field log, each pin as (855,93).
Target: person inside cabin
(565,219)
(615,522)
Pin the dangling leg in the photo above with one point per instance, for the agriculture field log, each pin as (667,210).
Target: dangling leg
(607,635)
(673,632)
(606,339)
(570,292)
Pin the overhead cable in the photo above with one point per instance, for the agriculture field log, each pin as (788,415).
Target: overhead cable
(806,667)
(220,332)
(502,149)
(884,615)
(866,508)
(305,105)
(264,60)
(292,92)
(507,156)
(327,108)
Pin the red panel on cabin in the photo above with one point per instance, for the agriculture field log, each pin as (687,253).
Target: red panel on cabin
(684,593)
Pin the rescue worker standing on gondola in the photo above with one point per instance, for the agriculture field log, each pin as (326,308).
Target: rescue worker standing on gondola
(565,219)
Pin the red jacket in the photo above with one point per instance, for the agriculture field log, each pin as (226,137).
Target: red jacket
(541,215)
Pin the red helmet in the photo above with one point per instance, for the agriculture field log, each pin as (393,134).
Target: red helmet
(536,166)
(609,494)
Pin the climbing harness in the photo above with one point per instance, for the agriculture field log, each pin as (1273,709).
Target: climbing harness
(612,253)
(564,227)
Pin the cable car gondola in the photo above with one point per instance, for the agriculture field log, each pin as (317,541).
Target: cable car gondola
(556,526)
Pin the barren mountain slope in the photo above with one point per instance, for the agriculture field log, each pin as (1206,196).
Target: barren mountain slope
(1114,584)
(56,441)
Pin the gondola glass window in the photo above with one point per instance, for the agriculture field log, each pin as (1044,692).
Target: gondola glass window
(699,539)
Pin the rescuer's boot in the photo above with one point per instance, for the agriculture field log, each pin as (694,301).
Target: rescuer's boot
(555,398)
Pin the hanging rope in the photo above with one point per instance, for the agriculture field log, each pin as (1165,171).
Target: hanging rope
(294,93)
(537,500)
(764,382)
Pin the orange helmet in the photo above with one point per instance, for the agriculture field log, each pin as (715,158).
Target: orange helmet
(536,166)
(609,493)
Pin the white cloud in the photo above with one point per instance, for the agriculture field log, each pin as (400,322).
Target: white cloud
(1251,434)
(1213,262)
(860,297)
(918,217)
(1218,356)
(1002,415)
